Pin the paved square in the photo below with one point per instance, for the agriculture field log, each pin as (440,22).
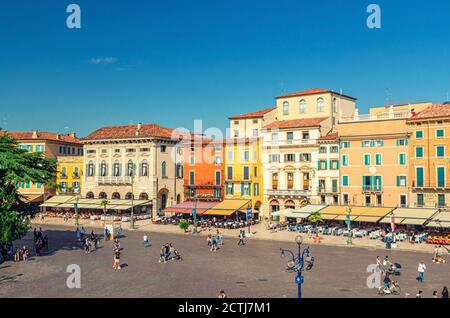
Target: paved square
(254,270)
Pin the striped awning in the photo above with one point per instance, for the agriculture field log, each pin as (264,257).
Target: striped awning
(357,213)
(187,207)
(68,202)
(441,220)
(228,207)
(410,216)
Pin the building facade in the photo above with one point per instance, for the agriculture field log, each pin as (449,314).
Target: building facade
(328,164)
(142,161)
(429,157)
(51,145)
(69,174)
(250,125)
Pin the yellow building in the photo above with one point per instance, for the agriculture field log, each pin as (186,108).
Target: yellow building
(69,175)
(243,171)
(51,145)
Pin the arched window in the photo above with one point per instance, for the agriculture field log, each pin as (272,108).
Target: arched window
(103,170)
(163,201)
(164,169)
(143,196)
(130,168)
(320,105)
(178,199)
(89,195)
(144,168)
(116,169)
(128,196)
(90,169)
(115,196)
(302,106)
(286,108)
(102,195)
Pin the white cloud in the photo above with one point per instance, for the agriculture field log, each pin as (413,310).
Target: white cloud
(103,60)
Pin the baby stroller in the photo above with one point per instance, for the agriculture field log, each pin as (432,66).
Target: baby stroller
(395,269)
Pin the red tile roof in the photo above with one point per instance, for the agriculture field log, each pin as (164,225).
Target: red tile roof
(296,123)
(38,135)
(259,113)
(433,111)
(133,131)
(331,136)
(312,91)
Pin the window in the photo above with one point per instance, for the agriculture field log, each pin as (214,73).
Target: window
(40,148)
(439,133)
(104,151)
(274,137)
(402,159)
(440,151)
(255,171)
(345,144)
(117,150)
(230,155)
(302,106)
(192,159)
(245,188)
(323,150)
(236,133)
(286,108)
(320,107)
(334,164)
(90,169)
(334,185)
(130,168)
(419,176)
(218,178)
(76,172)
(255,132)
(368,200)
(379,199)
(274,158)
(246,155)
(345,197)
(39,185)
(402,142)
(236,122)
(365,144)
(164,169)
(305,157)
(90,151)
(378,159)
(217,160)
(289,157)
(63,172)
(103,169)
(367,159)
(116,169)
(305,135)
(345,160)
(144,150)
(246,173)
(401,181)
(163,148)
(322,165)
(230,173)
(180,170)
(419,134)
(334,149)
(255,121)
(420,201)
(191,177)
(229,189)
(256,189)
(440,176)
(345,181)
(144,168)
(441,201)
(419,152)
(289,137)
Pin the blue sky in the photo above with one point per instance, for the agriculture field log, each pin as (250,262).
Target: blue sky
(173,61)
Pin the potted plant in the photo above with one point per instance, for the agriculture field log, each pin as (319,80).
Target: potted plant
(184,225)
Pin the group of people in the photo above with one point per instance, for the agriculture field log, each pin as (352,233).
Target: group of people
(438,254)
(168,252)
(40,241)
(241,237)
(444,293)
(214,241)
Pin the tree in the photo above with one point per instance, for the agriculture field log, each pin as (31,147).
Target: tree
(184,225)
(315,217)
(103,204)
(16,166)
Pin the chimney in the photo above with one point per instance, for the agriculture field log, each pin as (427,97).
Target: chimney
(139,126)
(73,135)
(58,136)
(34,135)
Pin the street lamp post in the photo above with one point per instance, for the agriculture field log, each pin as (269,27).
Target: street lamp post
(75,207)
(132,197)
(298,262)
(349,226)
(194,210)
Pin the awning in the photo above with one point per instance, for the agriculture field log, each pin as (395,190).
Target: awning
(68,202)
(33,198)
(357,213)
(228,207)
(305,212)
(441,219)
(288,213)
(187,206)
(410,216)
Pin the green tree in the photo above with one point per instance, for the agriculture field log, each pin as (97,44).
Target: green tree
(315,217)
(184,225)
(17,165)
(104,204)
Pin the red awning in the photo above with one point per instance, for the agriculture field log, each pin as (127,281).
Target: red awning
(187,206)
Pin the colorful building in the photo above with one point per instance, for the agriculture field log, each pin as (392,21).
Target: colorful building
(243,171)
(374,152)
(51,145)
(203,169)
(429,157)
(328,164)
(250,125)
(69,175)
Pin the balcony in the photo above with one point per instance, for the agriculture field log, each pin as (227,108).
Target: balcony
(372,188)
(390,114)
(288,193)
(324,190)
(114,180)
(430,186)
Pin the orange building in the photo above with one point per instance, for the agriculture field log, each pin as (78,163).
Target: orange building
(203,169)
(429,157)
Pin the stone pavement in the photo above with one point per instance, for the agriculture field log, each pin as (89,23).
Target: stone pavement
(258,232)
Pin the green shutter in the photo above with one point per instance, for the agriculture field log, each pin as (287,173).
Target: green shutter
(419,173)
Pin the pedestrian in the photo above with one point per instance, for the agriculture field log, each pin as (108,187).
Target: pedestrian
(386,264)
(421,269)
(145,241)
(82,232)
(25,253)
(45,243)
(241,238)
(34,235)
(222,294)
(440,255)
(435,294)
(78,234)
(419,294)
(66,216)
(116,264)
(106,234)
(435,253)
(162,257)
(379,264)
(444,292)
(209,240)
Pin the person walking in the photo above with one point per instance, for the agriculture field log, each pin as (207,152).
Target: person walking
(379,264)
(241,238)
(444,292)
(421,269)
(106,234)
(440,255)
(116,264)
(435,253)
(419,294)
(145,241)
(66,216)
(435,294)
(222,294)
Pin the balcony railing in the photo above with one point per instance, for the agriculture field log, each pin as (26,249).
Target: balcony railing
(114,180)
(372,188)
(288,192)
(327,190)
(391,114)
(429,185)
